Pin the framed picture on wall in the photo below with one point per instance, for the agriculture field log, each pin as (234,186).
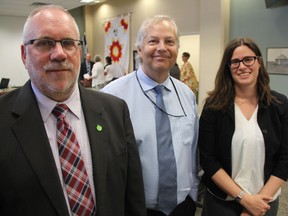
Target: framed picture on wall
(136,61)
(277,60)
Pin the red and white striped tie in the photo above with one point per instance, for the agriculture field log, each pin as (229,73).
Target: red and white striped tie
(73,169)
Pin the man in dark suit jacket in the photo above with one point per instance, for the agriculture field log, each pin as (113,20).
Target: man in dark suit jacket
(175,71)
(84,70)
(30,183)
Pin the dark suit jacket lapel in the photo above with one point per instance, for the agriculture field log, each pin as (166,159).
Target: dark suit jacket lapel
(98,137)
(30,131)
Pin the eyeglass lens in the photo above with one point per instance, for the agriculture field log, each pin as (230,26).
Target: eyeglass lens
(247,61)
(45,45)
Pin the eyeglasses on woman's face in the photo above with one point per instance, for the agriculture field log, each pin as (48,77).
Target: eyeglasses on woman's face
(247,61)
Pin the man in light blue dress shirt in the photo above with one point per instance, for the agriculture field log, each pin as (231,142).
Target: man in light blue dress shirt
(157,45)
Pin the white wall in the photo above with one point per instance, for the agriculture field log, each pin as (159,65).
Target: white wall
(11,65)
(214,32)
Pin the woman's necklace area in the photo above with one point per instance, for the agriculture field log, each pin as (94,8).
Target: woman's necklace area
(242,101)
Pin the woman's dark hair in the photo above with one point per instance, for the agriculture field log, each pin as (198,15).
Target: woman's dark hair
(186,54)
(224,91)
(108,59)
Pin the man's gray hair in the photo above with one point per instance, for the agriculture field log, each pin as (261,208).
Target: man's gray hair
(45,7)
(142,33)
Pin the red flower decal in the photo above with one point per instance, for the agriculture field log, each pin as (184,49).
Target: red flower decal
(107,26)
(115,51)
(124,23)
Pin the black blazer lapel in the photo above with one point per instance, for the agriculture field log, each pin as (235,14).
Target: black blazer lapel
(98,138)
(31,134)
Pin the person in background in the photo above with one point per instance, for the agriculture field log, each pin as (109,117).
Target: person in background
(102,174)
(243,136)
(117,71)
(175,71)
(97,77)
(187,74)
(86,68)
(108,70)
(165,121)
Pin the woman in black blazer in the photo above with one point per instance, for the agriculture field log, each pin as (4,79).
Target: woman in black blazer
(243,136)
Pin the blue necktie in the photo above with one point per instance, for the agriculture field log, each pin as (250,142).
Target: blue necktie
(167,192)
(88,67)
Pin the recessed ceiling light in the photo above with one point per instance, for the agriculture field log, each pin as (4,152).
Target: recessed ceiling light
(91,1)
(87,1)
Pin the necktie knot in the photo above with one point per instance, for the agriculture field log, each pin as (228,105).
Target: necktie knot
(159,89)
(60,110)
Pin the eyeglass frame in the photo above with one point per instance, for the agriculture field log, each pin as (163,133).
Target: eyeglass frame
(31,42)
(239,61)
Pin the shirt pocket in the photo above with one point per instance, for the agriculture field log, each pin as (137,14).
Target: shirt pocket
(187,130)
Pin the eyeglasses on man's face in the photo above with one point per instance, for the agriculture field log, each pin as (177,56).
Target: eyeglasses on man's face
(247,61)
(46,45)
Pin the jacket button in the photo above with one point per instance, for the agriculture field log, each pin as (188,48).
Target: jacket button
(264,131)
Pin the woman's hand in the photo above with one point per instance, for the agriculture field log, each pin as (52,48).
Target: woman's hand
(255,205)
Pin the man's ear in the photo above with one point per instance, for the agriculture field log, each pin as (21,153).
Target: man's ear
(23,54)
(139,51)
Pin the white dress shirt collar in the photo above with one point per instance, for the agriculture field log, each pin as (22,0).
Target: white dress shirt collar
(46,105)
(147,83)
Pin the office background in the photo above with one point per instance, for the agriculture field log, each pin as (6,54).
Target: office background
(216,22)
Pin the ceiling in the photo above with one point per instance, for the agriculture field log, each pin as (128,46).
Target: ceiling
(23,7)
